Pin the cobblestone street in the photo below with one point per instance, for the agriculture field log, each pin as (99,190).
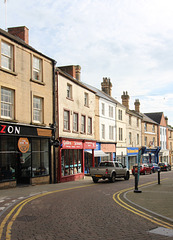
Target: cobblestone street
(76,210)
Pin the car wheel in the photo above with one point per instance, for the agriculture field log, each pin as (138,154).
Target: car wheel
(95,180)
(127,176)
(113,177)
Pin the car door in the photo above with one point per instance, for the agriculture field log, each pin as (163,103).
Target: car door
(121,169)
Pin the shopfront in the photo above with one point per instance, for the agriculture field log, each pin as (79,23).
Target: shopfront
(99,156)
(110,149)
(24,154)
(132,154)
(150,155)
(71,158)
(164,155)
(121,155)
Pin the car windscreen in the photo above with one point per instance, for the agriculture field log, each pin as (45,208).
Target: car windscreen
(106,164)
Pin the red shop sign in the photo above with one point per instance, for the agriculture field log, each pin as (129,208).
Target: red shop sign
(89,145)
(68,144)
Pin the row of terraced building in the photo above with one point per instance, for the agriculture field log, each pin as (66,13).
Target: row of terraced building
(54,127)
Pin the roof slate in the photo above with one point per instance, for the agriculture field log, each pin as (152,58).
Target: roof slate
(156,116)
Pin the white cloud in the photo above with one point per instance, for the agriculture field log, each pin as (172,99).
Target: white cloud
(130,41)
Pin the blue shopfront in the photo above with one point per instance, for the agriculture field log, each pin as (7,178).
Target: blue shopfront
(132,157)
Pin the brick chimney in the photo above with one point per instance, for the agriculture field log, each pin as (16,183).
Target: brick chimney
(137,105)
(77,70)
(166,119)
(20,32)
(107,86)
(125,99)
(72,70)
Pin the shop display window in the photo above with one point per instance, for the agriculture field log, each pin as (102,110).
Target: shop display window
(7,158)
(17,165)
(40,158)
(71,162)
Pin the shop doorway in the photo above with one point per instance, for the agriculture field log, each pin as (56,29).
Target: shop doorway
(23,168)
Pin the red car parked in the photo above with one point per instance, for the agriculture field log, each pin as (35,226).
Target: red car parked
(144,169)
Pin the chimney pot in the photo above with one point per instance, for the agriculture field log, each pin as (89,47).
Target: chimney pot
(125,99)
(106,86)
(137,105)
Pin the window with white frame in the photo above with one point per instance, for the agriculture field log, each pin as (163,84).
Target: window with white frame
(86,100)
(103,109)
(6,55)
(120,134)
(111,132)
(111,111)
(37,68)
(103,131)
(75,122)
(66,120)
(120,114)
(83,124)
(7,103)
(69,91)
(37,109)
(89,125)
(145,141)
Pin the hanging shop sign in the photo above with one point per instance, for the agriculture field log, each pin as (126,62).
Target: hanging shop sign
(23,145)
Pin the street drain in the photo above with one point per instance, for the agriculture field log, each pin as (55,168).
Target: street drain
(163,231)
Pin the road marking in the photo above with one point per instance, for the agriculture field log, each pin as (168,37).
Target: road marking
(17,209)
(162,231)
(119,201)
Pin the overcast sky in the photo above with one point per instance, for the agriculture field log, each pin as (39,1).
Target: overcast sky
(128,41)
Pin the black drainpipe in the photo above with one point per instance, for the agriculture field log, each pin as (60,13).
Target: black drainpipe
(54,125)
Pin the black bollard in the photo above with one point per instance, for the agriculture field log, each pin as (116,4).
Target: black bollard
(158,176)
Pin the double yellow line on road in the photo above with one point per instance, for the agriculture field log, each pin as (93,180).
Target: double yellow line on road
(117,198)
(12,215)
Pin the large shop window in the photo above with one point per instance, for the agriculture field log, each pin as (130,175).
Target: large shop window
(40,157)
(7,158)
(71,161)
(17,165)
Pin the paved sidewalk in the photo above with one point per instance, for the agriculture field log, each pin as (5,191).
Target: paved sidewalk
(155,198)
